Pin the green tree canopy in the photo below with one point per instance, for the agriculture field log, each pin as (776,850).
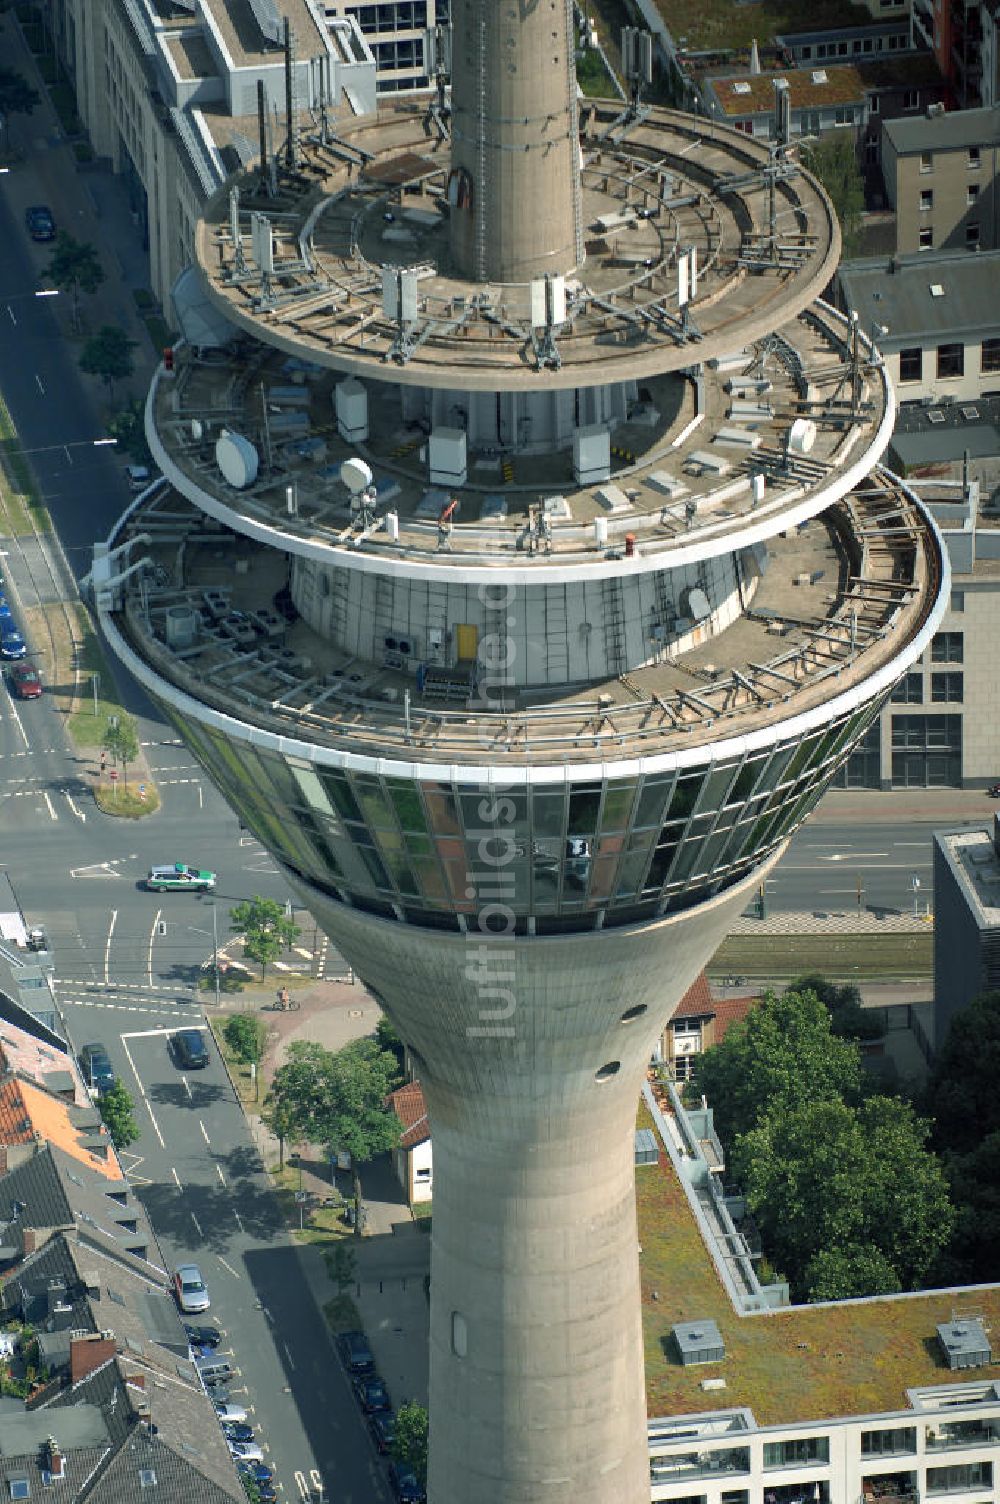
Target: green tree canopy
(782,1054)
(121,740)
(338,1099)
(834,160)
(962,1095)
(17,97)
(974,1256)
(265,928)
(245,1034)
(128,426)
(118,1111)
(849,1273)
(74,268)
(850,1020)
(108,354)
(410,1441)
(824,1175)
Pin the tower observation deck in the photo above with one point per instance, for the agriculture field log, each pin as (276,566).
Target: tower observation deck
(522,571)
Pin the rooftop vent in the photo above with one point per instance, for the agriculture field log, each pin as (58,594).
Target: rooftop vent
(820,76)
(964,1343)
(646,1152)
(741,88)
(937,291)
(699,1342)
(970,414)
(935,415)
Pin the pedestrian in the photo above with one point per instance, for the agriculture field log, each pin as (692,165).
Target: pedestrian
(283,998)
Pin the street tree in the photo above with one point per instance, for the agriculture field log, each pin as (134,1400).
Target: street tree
(974,1255)
(341,1264)
(823,1174)
(245,1034)
(387,1039)
(783,1053)
(118,1111)
(265,928)
(129,428)
(121,740)
(410,1439)
(834,160)
(108,354)
(279,1115)
(850,1020)
(962,1095)
(337,1099)
(17,97)
(75,268)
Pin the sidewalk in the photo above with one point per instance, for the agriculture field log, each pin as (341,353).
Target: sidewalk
(91,205)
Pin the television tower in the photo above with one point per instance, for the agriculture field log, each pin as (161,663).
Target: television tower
(522,573)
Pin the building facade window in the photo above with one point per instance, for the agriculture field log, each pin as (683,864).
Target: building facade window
(990,357)
(909,690)
(959,1478)
(972,236)
(971,194)
(889,1443)
(974,158)
(797,1451)
(926,238)
(926,751)
(926,200)
(947,688)
(950,362)
(911,364)
(948,647)
(911,101)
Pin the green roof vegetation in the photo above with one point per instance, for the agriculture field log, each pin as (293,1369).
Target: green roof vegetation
(723,26)
(808,1363)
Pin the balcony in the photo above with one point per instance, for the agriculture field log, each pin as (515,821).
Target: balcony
(892,1488)
(690,1465)
(962,1434)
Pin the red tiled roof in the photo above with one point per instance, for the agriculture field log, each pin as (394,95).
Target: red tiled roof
(697,1000)
(729,1011)
(15,1120)
(407,1102)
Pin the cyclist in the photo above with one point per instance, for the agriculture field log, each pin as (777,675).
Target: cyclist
(284,1000)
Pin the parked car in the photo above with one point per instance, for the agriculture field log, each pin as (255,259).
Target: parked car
(244,1451)
(190,1288)
(382,1425)
(12,644)
(404,1485)
(40,222)
(237,1430)
(6,614)
(138,477)
(203,1336)
(266,1494)
(371,1393)
(179,878)
(95,1065)
(258,1471)
(229,1413)
(994,791)
(190,1049)
(355,1352)
(25,682)
(213,1371)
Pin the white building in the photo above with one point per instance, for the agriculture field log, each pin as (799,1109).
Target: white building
(413,1157)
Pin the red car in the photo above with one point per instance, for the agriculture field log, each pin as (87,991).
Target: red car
(25,682)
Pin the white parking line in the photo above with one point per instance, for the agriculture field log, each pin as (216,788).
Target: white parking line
(233,1272)
(48,801)
(197,1224)
(142,1091)
(204,1132)
(177,1178)
(218,1171)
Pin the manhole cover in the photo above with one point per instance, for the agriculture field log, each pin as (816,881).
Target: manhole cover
(356,1013)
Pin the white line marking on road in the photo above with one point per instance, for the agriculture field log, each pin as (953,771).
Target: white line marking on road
(149,953)
(187,1088)
(232,1271)
(201,802)
(204,1132)
(97,869)
(291,1360)
(142,1091)
(218,1171)
(177,1178)
(11,312)
(197,1224)
(69,457)
(239,1221)
(851,856)
(17,722)
(302,1485)
(107,947)
(78,812)
(48,801)
(38,380)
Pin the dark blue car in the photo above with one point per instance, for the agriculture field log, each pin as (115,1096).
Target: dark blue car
(405,1488)
(11,643)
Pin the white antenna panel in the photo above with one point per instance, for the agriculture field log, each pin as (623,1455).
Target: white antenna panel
(237,459)
(802,436)
(537,311)
(390,292)
(557,300)
(197,429)
(262,242)
(356,476)
(683,280)
(698,606)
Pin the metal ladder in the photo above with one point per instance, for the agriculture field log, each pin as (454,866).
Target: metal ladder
(576,188)
(614,624)
(481,200)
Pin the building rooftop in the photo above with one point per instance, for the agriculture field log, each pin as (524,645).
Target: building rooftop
(948,132)
(808,88)
(718,25)
(246,43)
(921,297)
(798,1364)
(29,1113)
(407,1102)
(838,599)
(377,196)
(974,860)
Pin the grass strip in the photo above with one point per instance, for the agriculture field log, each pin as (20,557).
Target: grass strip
(841,957)
(20,499)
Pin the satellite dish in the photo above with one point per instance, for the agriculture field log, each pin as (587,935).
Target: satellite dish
(197,428)
(356,475)
(802,436)
(698,607)
(237,459)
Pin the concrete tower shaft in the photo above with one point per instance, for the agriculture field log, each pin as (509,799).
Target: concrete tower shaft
(515,179)
(531,1054)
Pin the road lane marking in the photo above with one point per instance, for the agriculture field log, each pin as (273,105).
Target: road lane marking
(107,947)
(98,869)
(187,1088)
(38,380)
(149,954)
(142,1092)
(288,1355)
(78,812)
(197,1224)
(239,1221)
(177,1178)
(17,722)
(204,1130)
(11,312)
(233,1272)
(218,1171)
(48,801)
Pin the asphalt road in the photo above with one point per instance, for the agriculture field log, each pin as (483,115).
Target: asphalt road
(826,864)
